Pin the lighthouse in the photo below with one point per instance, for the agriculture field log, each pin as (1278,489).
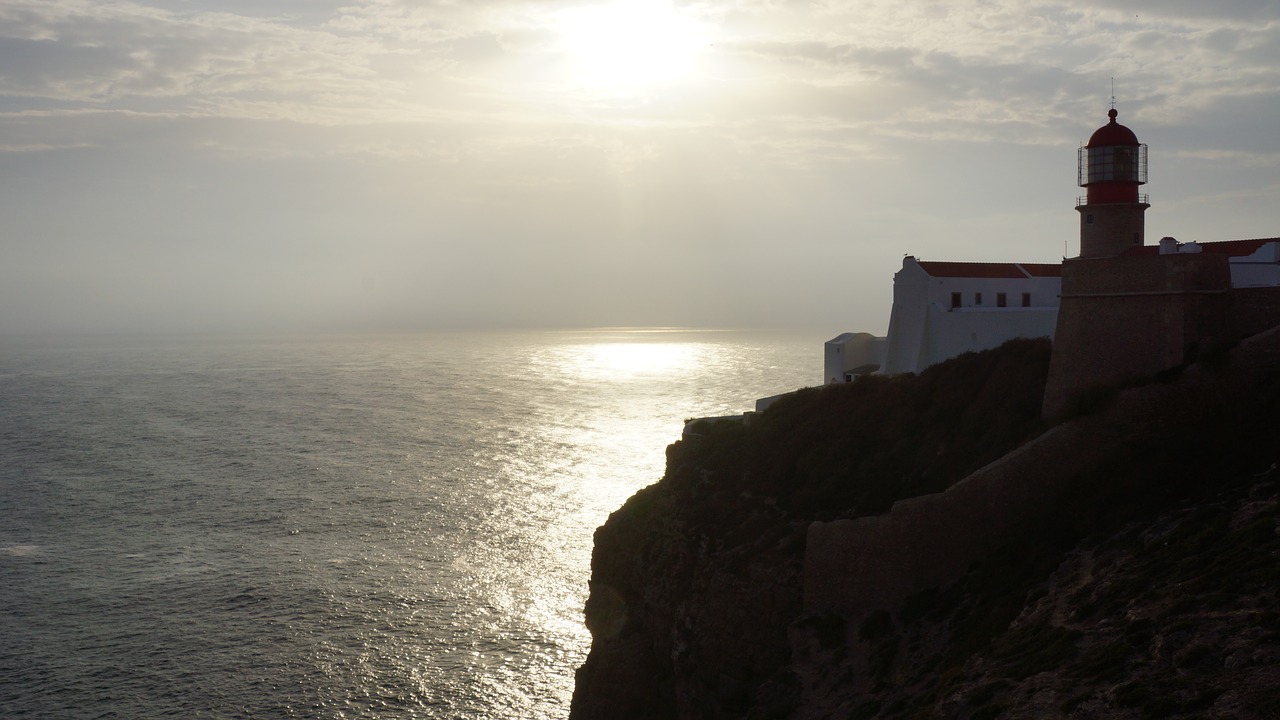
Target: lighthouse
(1111,168)
(1119,318)
(1126,313)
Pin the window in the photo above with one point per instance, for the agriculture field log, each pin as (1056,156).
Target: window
(955,300)
(1026,299)
(1000,300)
(1088,219)
(977,298)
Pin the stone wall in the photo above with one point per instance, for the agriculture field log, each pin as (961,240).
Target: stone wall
(1252,310)
(855,566)
(1108,229)
(1125,319)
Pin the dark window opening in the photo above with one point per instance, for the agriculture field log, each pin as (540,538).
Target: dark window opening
(1088,219)
(1026,299)
(1000,300)
(955,300)
(977,298)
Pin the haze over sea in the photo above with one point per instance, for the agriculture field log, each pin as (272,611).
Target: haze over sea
(337,527)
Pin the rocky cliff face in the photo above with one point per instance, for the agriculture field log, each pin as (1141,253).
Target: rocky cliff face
(1157,600)
(1171,614)
(693,589)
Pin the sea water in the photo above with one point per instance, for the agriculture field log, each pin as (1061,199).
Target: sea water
(339,527)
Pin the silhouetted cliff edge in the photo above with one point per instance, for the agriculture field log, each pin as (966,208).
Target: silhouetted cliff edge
(1138,575)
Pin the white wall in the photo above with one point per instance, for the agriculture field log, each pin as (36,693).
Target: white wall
(850,351)
(953,332)
(908,320)
(924,329)
(1261,269)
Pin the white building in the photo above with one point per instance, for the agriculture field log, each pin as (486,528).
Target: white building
(944,309)
(850,355)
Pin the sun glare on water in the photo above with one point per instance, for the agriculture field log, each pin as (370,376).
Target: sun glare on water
(622,360)
(625,356)
(630,44)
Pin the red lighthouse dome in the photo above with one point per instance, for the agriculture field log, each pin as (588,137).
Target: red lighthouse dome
(1113,133)
(1112,165)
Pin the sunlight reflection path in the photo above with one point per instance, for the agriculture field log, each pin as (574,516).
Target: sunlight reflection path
(577,425)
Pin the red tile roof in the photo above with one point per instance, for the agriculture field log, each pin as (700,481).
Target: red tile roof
(1013,271)
(1042,269)
(1019,271)
(1234,248)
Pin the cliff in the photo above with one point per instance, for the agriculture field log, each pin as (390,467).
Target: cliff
(1149,593)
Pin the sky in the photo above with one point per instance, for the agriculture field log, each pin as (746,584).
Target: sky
(397,165)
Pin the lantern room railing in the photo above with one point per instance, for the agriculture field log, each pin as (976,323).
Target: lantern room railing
(1082,200)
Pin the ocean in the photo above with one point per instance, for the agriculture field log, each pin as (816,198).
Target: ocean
(332,527)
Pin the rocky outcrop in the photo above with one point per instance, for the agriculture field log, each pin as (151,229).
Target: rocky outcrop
(692,592)
(697,610)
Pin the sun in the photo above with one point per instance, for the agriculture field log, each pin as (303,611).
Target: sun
(629,44)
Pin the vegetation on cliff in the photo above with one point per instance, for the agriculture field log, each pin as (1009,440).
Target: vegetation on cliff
(848,450)
(1152,596)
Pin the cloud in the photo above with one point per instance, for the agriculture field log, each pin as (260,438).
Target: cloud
(921,65)
(133,56)
(1232,11)
(220,158)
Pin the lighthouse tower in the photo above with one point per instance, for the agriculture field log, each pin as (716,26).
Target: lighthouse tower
(1112,165)
(1125,313)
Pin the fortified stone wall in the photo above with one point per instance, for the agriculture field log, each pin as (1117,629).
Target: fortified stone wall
(1127,318)
(1252,310)
(855,566)
(1176,273)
